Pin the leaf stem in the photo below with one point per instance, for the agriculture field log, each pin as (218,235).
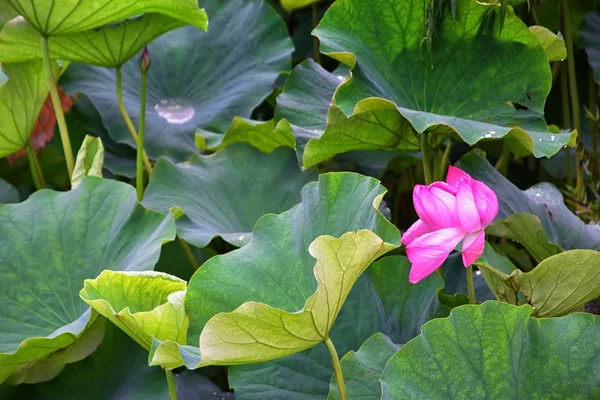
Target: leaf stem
(189,253)
(127,120)
(502,163)
(471,286)
(426,158)
(58,111)
(445,159)
(315,22)
(36,172)
(139,171)
(593,108)
(574,95)
(172,384)
(337,369)
(566,117)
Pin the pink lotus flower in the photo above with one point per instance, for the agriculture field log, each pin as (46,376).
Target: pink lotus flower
(450,212)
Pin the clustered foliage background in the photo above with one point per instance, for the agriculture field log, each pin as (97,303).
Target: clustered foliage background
(261,138)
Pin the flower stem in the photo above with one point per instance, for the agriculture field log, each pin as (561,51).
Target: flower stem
(337,369)
(127,120)
(172,385)
(426,158)
(471,286)
(58,111)
(574,95)
(566,117)
(36,171)
(593,108)
(139,171)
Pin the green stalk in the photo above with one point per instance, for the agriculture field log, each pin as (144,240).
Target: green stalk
(593,124)
(445,160)
(337,369)
(426,158)
(189,253)
(38,179)
(574,95)
(502,163)
(127,120)
(471,286)
(566,121)
(58,111)
(139,171)
(172,385)
(315,21)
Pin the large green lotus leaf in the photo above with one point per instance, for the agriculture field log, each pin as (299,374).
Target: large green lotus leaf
(8,194)
(557,286)
(265,136)
(275,267)
(60,17)
(109,46)
(21,99)
(398,89)
(496,351)
(406,306)
(381,301)
(544,200)
(224,194)
(196,78)
(362,369)
(116,371)
(590,40)
(257,332)
(54,241)
(305,99)
(144,304)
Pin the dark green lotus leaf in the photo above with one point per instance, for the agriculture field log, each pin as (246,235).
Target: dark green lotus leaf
(362,369)
(337,203)
(265,136)
(305,99)
(382,301)
(496,351)
(398,89)
(563,228)
(50,244)
(109,46)
(21,99)
(197,79)
(590,40)
(224,194)
(8,194)
(60,17)
(116,371)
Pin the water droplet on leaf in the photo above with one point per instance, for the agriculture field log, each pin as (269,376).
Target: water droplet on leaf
(175,111)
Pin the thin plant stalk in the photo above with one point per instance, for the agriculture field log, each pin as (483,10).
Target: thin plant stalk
(58,111)
(502,163)
(189,253)
(337,369)
(445,160)
(315,21)
(127,120)
(38,178)
(593,89)
(471,286)
(172,385)
(139,171)
(426,158)
(573,93)
(566,117)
